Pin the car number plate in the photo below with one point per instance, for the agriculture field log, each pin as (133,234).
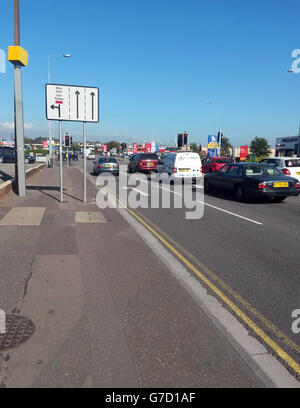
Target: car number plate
(109,165)
(183,170)
(281,184)
(150,164)
(298,173)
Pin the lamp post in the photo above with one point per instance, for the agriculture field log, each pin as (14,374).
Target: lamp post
(18,57)
(49,121)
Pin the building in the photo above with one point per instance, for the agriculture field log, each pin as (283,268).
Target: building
(288,146)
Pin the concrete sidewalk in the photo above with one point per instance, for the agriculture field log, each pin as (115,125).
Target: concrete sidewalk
(107,311)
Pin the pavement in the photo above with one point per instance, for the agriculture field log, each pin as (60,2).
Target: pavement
(7,171)
(108,311)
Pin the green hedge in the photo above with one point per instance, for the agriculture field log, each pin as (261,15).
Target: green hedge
(44,152)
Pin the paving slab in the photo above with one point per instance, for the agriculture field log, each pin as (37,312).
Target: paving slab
(24,216)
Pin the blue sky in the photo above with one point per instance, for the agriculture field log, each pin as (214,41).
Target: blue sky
(162,66)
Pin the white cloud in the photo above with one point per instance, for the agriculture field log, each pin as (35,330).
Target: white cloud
(10,125)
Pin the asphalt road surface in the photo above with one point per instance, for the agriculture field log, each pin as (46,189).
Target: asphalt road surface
(250,252)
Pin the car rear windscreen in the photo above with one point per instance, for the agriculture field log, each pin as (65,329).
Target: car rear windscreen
(261,170)
(225,160)
(149,156)
(292,163)
(107,160)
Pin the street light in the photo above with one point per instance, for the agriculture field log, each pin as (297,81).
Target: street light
(55,55)
(49,80)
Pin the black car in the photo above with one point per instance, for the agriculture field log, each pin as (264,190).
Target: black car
(8,155)
(74,156)
(257,180)
(106,164)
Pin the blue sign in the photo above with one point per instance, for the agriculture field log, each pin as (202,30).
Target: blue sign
(157,148)
(212,152)
(212,139)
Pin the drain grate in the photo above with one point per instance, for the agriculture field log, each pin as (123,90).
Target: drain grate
(18,330)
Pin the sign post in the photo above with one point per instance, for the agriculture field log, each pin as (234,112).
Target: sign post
(76,104)
(84,162)
(60,165)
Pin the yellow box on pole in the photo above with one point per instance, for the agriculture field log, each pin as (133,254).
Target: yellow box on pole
(17,55)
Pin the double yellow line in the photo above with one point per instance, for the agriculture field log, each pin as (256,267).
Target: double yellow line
(169,243)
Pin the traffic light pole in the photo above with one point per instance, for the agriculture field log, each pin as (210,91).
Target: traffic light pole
(220,143)
(61,164)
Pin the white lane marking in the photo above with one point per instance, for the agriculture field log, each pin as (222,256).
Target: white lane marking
(231,213)
(133,188)
(216,208)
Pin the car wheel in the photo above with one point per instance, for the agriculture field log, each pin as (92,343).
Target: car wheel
(239,193)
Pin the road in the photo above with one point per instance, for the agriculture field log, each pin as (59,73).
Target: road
(250,253)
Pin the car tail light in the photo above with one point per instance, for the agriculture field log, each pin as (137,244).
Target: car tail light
(140,163)
(297,185)
(200,169)
(286,172)
(174,169)
(100,166)
(262,185)
(117,165)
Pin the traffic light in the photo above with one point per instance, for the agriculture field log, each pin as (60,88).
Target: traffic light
(179,140)
(219,137)
(185,139)
(68,140)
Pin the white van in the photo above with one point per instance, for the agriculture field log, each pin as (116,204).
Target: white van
(290,166)
(180,165)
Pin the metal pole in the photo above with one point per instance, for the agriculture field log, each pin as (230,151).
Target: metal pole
(220,143)
(67,157)
(61,165)
(19,133)
(49,121)
(18,106)
(84,162)
(17,22)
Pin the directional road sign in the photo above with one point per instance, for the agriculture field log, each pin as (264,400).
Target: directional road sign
(72,103)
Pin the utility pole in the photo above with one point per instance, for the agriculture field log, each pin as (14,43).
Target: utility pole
(220,142)
(18,56)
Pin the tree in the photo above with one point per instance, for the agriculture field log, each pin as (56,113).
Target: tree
(112,144)
(225,147)
(260,147)
(194,147)
(75,147)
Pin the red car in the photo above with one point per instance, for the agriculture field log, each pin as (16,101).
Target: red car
(213,164)
(143,162)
